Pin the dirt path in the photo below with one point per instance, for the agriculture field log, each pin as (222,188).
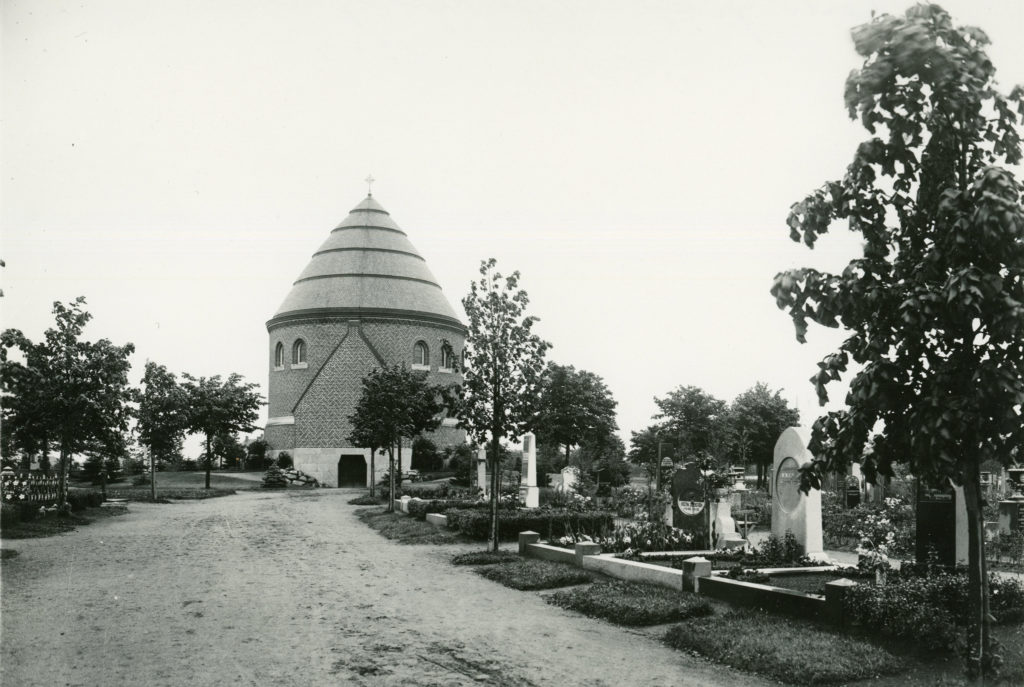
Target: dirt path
(291,589)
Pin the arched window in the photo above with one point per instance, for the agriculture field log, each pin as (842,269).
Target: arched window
(420,355)
(279,355)
(298,352)
(447,357)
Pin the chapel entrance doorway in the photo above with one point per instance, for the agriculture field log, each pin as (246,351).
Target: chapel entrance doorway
(352,471)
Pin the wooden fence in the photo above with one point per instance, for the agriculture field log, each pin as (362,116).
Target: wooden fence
(26,487)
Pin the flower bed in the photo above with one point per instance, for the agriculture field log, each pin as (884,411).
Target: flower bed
(628,603)
(419,509)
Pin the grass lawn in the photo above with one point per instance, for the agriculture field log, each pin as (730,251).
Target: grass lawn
(52,524)
(185,485)
(406,530)
(629,603)
(792,651)
(485,557)
(528,575)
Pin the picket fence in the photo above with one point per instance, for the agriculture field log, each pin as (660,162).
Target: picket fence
(29,488)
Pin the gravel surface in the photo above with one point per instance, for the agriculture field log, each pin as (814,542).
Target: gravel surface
(289,588)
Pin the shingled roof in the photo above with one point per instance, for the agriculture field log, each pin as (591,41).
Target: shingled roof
(367,268)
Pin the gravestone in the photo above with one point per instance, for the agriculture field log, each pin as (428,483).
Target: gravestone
(792,510)
(529,494)
(724,528)
(481,471)
(569,476)
(941,524)
(688,508)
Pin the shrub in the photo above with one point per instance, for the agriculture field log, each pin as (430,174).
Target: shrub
(285,461)
(628,603)
(891,524)
(551,524)
(10,514)
(787,650)
(485,558)
(419,509)
(529,575)
(80,499)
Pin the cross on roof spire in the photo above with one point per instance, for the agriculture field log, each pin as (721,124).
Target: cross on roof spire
(369,184)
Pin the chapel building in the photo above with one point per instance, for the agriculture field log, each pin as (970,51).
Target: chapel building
(366,299)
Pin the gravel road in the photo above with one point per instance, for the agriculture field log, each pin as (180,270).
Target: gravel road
(289,588)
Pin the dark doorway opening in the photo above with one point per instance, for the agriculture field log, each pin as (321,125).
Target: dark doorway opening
(352,471)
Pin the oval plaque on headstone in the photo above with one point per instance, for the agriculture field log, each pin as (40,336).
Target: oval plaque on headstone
(787,485)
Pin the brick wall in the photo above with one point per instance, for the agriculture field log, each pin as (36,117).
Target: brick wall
(324,394)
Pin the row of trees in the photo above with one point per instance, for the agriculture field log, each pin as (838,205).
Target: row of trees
(73,396)
(694,422)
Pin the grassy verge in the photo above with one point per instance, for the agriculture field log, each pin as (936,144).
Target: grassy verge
(406,530)
(56,524)
(166,495)
(792,651)
(485,557)
(365,500)
(628,603)
(528,575)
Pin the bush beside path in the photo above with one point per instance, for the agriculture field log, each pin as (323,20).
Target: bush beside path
(290,588)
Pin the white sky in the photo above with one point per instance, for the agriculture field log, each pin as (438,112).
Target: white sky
(178,164)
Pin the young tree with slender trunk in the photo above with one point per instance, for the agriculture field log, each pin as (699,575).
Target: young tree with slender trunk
(162,417)
(935,305)
(218,407)
(504,361)
(396,403)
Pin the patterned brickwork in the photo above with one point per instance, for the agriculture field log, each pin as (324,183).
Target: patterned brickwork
(287,385)
(321,417)
(324,394)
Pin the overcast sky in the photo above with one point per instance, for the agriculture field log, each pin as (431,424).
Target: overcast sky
(178,164)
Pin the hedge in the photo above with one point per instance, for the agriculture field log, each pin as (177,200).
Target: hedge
(419,509)
(548,523)
(80,499)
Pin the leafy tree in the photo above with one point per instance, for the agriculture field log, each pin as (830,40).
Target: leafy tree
(696,421)
(256,454)
(425,455)
(162,417)
(935,305)
(758,417)
(643,449)
(80,393)
(574,406)
(504,363)
(603,460)
(396,403)
(228,450)
(218,407)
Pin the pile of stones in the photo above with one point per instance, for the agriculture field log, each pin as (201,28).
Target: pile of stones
(297,478)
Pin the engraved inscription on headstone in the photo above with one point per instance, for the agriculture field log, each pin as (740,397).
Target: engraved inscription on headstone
(787,484)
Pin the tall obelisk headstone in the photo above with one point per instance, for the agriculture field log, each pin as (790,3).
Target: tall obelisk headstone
(792,510)
(481,471)
(529,494)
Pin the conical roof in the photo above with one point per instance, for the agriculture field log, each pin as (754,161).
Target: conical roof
(367,268)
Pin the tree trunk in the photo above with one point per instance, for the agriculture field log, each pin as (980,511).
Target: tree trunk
(979,627)
(373,472)
(391,478)
(208,462)
(495,486)
(152,476)
(398,469)
(63,481)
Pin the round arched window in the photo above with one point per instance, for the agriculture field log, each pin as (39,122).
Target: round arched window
(279,355)
(447,357)
(298,352)
(420,354)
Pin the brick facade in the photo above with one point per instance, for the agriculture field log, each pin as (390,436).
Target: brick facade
(309,406)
